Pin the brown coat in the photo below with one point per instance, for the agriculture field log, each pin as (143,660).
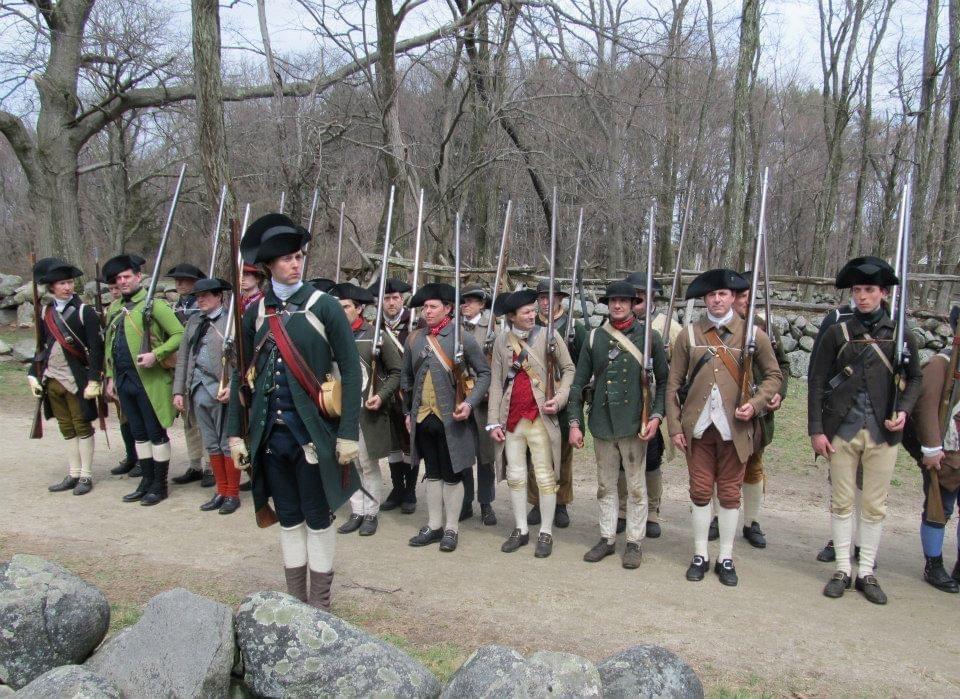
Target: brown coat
(499,404)
(924,424)
(684,358)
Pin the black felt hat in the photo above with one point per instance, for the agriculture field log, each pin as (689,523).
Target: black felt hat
(212,284)
(500,300)
(639,281)
(619,290)
(543,287)
(272,236)
(392,286)
(185,271)
(322,284)
(52,269)
(714,280)
(351,292)
(121,263)
(434,291)
(866,270)
(517,300)
(475,291)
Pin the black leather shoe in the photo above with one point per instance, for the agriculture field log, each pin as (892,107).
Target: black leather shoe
(561,517)
(836,586)
(229,506)
(621,525)
(143,487)
(726,572)
(213,503)
(714,532)
(408,507)
(124,467)
(466,513)
(935,574)
(68,483)
(754,536)
(698,568)
(136,494)
(189,476)
(84,486)
(488,516)
(599,551)
(653,529)
(426,536)
(827,554)
(207,480)
(515,541)
(632,556)
(870,587)
(533,516)
(544,545)
(369,526)
(449,541)
(351,525)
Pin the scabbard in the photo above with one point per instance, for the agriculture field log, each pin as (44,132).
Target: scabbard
(935,513)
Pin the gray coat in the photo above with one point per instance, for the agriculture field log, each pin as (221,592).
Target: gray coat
(183,374)
(486,449)
(418,359)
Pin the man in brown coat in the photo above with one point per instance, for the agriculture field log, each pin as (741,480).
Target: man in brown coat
(709,419)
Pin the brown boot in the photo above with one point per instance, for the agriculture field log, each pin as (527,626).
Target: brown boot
(320,586)
(297,582)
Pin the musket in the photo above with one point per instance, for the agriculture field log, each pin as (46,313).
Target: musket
(152,289)
(36,427)
(551,322)
(102,411)
(749,344)
(381,290)
(499,275)
(283,201)
(646,385)
(570,329)
(313,213)
(235,313)
(948,399)
(336,277)
(768,313)
(676,271)
(416,262)
(216,231)
(459,375)
(901,352)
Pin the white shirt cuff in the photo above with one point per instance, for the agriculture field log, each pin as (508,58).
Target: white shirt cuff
(930,451)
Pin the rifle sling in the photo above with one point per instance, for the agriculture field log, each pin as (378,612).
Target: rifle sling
(57,333)
(721,350)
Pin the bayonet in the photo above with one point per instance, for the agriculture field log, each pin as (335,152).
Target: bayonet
(570,329)
(500,274)
(749,345)
(676,270)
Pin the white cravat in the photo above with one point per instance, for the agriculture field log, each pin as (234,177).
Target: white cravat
(713,412)
(285,291)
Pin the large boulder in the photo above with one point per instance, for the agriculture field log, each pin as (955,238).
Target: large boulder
(183,646)
(48,617)
(23,350)
(8,316)
(5,348)
(788,343)
(799,363)
(807,343)
(290,649)
(497,671)
(25,315)
(69,681)
(648,671)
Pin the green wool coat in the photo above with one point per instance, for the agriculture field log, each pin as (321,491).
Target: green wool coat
(616,404)
(579,338)
(320,350)
(165,335)
(375,425)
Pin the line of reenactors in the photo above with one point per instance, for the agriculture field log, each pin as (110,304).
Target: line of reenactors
(318,404)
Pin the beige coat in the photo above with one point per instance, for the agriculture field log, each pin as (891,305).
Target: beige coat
(499,400)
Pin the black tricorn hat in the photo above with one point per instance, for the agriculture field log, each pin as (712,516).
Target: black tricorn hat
(517,300)
(186,271)
(714,280)
(321,284)
(619,290)
(543,287)
(42,265)
(866,270)
(392,286)
(272,236)
(52,269)
(639,281)
(212,284)
(434,291)
(499,301)
(120,263)
(351,292)
(475,291)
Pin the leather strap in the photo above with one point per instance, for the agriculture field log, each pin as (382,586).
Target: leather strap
(295,361)
(624,341)
(54,329)
(434,344)
(723,352)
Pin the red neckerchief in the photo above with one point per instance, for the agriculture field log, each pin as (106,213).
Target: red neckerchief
(355,325)
(440,326)
(622,325)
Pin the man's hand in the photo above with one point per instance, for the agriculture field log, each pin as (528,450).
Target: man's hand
(576,437)
(745,412)
(898,423)
(91,390)
(146,360)
(374,403)
(112,390)
(551,407)
(821,445)
(497,435)
(653,425)
(408,423)
(774,403)
(679,441)
(35,388)
(178,402)
(239,453)
(462,412)
(347,450)
(223,395)
(933,461)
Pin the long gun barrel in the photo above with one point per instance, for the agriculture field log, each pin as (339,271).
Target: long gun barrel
(676,270)
(313,213)
(416,261)
(336,276)
(382,287)
(216,231)
(459,375)
(551,321)
(235,312)
(901,352)
(36,426)
(647,385)
(749,345)
(500,273)
(102,410)
(575,275)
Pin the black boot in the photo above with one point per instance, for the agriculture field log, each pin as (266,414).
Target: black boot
(125,466)
(158,487)
(395,497)
(409,504)
(130,460)
(146,468)
(956,569)
(935,574)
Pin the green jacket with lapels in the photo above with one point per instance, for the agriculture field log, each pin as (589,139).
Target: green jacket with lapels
(323,337)
(375,424)
(617,397)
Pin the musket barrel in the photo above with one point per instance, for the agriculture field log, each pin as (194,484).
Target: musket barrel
(163,240)
(458,350)
(216,231)
(336,276)
(570,334)
(501,265)
(676,271)
(750,331)
(647,354)
(416,259)
(384,266)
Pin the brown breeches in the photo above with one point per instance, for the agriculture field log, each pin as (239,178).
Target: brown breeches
(68,410)
(714,462)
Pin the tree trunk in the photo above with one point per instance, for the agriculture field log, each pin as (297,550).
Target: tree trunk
(920,230)
(947,200)
(388,87)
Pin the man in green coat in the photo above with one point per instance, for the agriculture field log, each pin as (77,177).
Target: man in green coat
(296,343)
(142,381)
(613,359)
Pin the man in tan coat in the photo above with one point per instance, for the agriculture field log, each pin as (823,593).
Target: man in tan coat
(522,417)
(708,418)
